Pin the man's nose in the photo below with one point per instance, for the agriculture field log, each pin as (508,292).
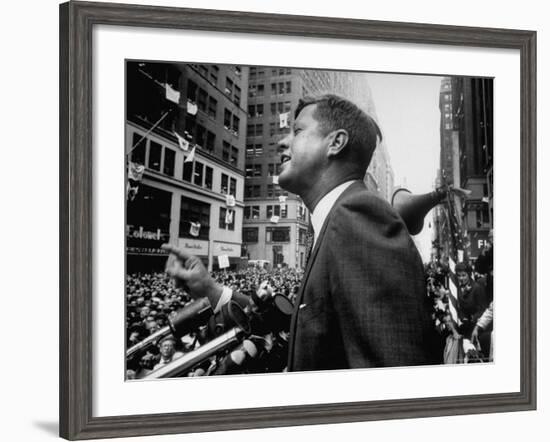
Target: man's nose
(284,143)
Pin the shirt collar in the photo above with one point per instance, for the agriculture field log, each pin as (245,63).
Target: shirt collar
(319,215)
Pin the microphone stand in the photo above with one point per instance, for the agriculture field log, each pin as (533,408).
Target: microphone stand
(227,340)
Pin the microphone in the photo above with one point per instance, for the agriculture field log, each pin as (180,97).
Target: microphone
(235,361)
(186,320)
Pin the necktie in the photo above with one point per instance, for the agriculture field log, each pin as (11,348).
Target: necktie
(309,242)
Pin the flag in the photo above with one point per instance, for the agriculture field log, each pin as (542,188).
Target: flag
(282,198)
(171,94)
(283,120)
(195,229)
(274,219)
(230,201)
(191,108)
(229,217)
(275,179)
(131,191)
(135,171)
(460,255)
(183,143)
(485,199)
(191,156)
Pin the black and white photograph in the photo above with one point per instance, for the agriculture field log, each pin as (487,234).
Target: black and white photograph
(283,219)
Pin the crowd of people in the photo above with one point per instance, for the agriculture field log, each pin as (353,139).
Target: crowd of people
(152,298)
(465,326)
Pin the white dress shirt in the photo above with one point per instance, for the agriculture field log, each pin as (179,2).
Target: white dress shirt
(322,209)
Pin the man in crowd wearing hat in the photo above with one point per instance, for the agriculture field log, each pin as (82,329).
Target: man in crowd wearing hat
(362,301)
(168,352)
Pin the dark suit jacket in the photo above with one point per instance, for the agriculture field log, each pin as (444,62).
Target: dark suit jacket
(363,300)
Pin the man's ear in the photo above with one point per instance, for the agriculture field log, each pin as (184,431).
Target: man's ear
(338,140)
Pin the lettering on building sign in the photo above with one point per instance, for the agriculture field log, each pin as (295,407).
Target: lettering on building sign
(192,246)
(481,243)
(140,233)
(226,249)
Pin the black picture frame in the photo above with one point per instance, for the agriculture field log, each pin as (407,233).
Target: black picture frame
(76,164)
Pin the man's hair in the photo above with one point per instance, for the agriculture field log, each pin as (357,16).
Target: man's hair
(334,112)
(462,267)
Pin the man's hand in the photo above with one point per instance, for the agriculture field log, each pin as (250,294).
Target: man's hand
(475,336)
(189,271)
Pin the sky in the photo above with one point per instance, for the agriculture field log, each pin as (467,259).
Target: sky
(407,108)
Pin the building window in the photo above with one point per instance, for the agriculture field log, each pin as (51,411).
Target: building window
(302,235)
(138,154)
(284,210)
(214,74)
(197,178)
(234,156)
(208,177)
(252,191)
(201,135)
(252,212)
(257,170)
(237,96)
(201,103)
(155,150)
(226,150)
(194,211)
(192,90)
(228,86)
(187,171)
(277,234)
(212,107)
(273,211)
(236,122)
(288,89)
(233,187)
(210,141)
(255,130)
(224,184)
(169,161)
(250,235)
(224,217)
(227,119)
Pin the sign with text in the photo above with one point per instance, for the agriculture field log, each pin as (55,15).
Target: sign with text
(145,241)
(223,261)
(224,248)
(194,246)
(478,241)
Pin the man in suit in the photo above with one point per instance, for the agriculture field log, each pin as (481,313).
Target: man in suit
(362,301)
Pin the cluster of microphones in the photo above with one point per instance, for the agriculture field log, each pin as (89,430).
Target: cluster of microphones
(235,340)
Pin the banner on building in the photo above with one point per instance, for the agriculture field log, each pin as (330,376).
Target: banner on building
(195,229)
(230,201)
(183,143)
(191,108)
(283,120)
(171,94)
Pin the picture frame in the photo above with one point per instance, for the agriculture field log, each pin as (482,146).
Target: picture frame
(77,20)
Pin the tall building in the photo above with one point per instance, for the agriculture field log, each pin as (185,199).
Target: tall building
(466,106)
(192,189)
(276,222)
